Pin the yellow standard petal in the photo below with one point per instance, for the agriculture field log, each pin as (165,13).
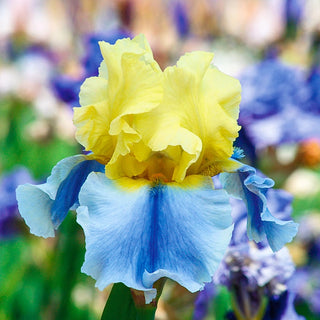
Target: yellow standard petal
(129,84)
(197,118)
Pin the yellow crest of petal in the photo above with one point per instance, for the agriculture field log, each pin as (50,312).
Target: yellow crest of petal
(129,84)
(197,118)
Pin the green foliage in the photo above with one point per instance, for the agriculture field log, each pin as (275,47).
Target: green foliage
(220,305)
(120,306)
(19,149)
(302,206)
(19,278)
(38,277)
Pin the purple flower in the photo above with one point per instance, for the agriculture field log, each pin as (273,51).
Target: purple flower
(203,300)
(181,19)
(93,57)
(275,99)
(306,285)
(250,273)
(315,300)
(306,281)
(256,267)
(314,85)
(293,11)
(282,308)
(309,237)
(270,86)
(279,308)
(67,88)
(8,203)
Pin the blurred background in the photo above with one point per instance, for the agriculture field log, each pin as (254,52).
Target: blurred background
(48,48)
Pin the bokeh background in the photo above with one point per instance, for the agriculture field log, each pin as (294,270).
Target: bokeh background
(48,47)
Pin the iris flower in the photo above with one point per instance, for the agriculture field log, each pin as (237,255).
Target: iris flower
(278,101)
(251,274)
(293,11)
(67,88)
(8,202)
(144,195)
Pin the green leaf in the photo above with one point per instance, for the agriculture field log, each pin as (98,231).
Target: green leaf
(38,156)
(120,304)
(21,282)
(146,313)
(221,304)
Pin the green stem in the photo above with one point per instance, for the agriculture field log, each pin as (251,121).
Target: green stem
(146,313)
(120,304)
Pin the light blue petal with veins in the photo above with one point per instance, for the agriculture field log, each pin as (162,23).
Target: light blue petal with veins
(251,188)
(34,204)
(179,231)
(68,191)
(44,206)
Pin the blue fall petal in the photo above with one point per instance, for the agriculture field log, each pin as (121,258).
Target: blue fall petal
(34,204)
(137,236)
(44,206)
(68,191)
(251,188)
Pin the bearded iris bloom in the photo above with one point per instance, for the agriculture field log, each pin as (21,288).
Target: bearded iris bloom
(252,274)
(8,202)
(144,195)
(279,100)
